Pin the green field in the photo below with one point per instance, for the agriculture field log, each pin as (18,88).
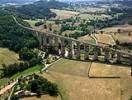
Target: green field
(29,71)
(31,22)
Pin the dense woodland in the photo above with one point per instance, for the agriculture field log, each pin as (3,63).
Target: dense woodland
(14,37)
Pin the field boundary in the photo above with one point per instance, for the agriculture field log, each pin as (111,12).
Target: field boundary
(101,77)
(89,69)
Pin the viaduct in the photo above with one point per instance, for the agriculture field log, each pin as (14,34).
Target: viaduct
(76,49)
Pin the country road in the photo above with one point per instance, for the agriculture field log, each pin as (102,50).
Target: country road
(6,88)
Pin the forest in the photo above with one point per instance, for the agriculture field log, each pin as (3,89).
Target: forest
(14,37)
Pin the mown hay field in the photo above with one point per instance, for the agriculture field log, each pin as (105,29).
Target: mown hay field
(43,97)
(125,34)
(87,38)
(106,70)
(63,14)
(72,77)
(105,38)
(83,88)
(71,67)
(92,9)
(93,16)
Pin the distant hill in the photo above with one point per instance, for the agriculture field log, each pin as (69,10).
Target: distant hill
(16,1)
(39,9)
(124,2)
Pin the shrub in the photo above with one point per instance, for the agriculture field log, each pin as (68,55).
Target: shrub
(39,23)
(130,22)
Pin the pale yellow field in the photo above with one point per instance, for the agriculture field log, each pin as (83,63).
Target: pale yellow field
(83,88)
(71,67)
(92,9)
(93,16)
(105,70)
(68,72)
(63,14)
(74,84)
(87,38)
(126,88)
(115,28)
(123,36)
(105,38)
(43,97)
(68,32)
(8,57)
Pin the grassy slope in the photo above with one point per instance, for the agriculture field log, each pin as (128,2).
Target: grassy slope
(7,56)
(26,72)
(31,22)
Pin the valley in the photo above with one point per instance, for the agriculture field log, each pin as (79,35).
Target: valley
(56,50)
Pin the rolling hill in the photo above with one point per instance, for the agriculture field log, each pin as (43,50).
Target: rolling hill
(39,9)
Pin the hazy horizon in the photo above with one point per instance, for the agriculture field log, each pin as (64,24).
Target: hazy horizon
(28,1)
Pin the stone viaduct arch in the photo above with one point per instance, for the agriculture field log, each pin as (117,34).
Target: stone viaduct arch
(90,51)
(74,49)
